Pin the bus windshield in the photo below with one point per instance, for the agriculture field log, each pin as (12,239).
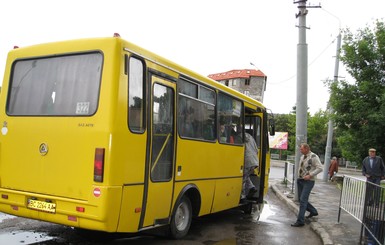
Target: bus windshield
(58,86)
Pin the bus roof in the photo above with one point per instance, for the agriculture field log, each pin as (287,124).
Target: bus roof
(90,44)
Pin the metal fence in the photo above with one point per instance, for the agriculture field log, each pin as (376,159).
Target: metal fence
(353,197)
(289,174)
(365,201)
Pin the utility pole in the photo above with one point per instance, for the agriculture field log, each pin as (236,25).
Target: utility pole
(331,123)
(301,105)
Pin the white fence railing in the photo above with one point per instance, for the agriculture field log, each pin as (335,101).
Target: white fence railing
(353,197)
(274,156)
(289,174)
(290,158)
(365,201)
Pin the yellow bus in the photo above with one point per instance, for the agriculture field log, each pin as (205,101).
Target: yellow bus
(100,134)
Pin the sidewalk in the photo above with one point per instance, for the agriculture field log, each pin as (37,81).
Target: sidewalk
(325,196)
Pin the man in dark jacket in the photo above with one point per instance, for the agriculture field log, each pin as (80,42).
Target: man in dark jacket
(374,170)
(373,167)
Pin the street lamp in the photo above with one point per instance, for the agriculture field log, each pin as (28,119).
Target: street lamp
(251,63)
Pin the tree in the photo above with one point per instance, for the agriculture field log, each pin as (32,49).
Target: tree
(317,128)
(360,105)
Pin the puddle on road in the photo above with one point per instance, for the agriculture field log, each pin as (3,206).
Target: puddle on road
(227,242)
(21,237)
(5,216)
(264,215)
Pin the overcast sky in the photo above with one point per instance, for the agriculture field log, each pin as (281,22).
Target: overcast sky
(206,36)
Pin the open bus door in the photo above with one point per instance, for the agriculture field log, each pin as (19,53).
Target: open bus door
(257,126)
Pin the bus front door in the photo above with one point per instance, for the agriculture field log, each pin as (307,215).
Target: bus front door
(162,146)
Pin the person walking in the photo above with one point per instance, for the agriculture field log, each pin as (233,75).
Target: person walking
(374,170)
(309,166)
(333,168)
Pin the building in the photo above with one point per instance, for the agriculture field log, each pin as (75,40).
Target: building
(250,82)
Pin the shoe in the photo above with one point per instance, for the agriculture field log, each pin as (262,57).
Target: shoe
(252,191)
(296,224)
(311,215)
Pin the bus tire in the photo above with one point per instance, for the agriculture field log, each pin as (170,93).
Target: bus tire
(181,218)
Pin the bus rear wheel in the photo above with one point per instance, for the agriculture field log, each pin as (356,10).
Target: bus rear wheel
(181,218)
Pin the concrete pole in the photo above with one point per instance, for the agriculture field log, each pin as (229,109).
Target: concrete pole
(328,149)
(301,106)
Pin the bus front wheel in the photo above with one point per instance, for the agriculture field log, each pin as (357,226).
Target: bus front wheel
(181,218)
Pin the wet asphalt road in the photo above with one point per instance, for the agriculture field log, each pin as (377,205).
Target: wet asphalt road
(227,228)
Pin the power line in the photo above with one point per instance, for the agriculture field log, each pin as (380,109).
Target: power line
(314,60)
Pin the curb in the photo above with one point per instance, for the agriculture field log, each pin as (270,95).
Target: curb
(316,227)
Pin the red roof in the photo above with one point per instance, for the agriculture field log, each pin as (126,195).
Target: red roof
(246,73)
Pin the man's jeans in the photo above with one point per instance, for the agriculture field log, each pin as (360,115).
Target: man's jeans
(304,189)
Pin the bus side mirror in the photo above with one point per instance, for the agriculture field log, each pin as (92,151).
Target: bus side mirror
(272,127)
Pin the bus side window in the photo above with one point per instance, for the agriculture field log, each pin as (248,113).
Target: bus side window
(186,125)
(136,100)
(230,111)
(196,111)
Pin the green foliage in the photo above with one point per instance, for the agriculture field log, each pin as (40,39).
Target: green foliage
(360,105)
(317,128)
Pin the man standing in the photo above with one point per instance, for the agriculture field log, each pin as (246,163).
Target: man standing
(373,169)
(309,166)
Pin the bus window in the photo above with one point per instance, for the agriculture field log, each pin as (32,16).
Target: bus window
(56,86)
(253,127)
(136,103)
(230,119)
(196,111)
(163,133)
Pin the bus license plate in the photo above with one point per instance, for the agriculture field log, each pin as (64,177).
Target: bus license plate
(41,205)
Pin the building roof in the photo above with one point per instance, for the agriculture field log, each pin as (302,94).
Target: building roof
(245,73)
